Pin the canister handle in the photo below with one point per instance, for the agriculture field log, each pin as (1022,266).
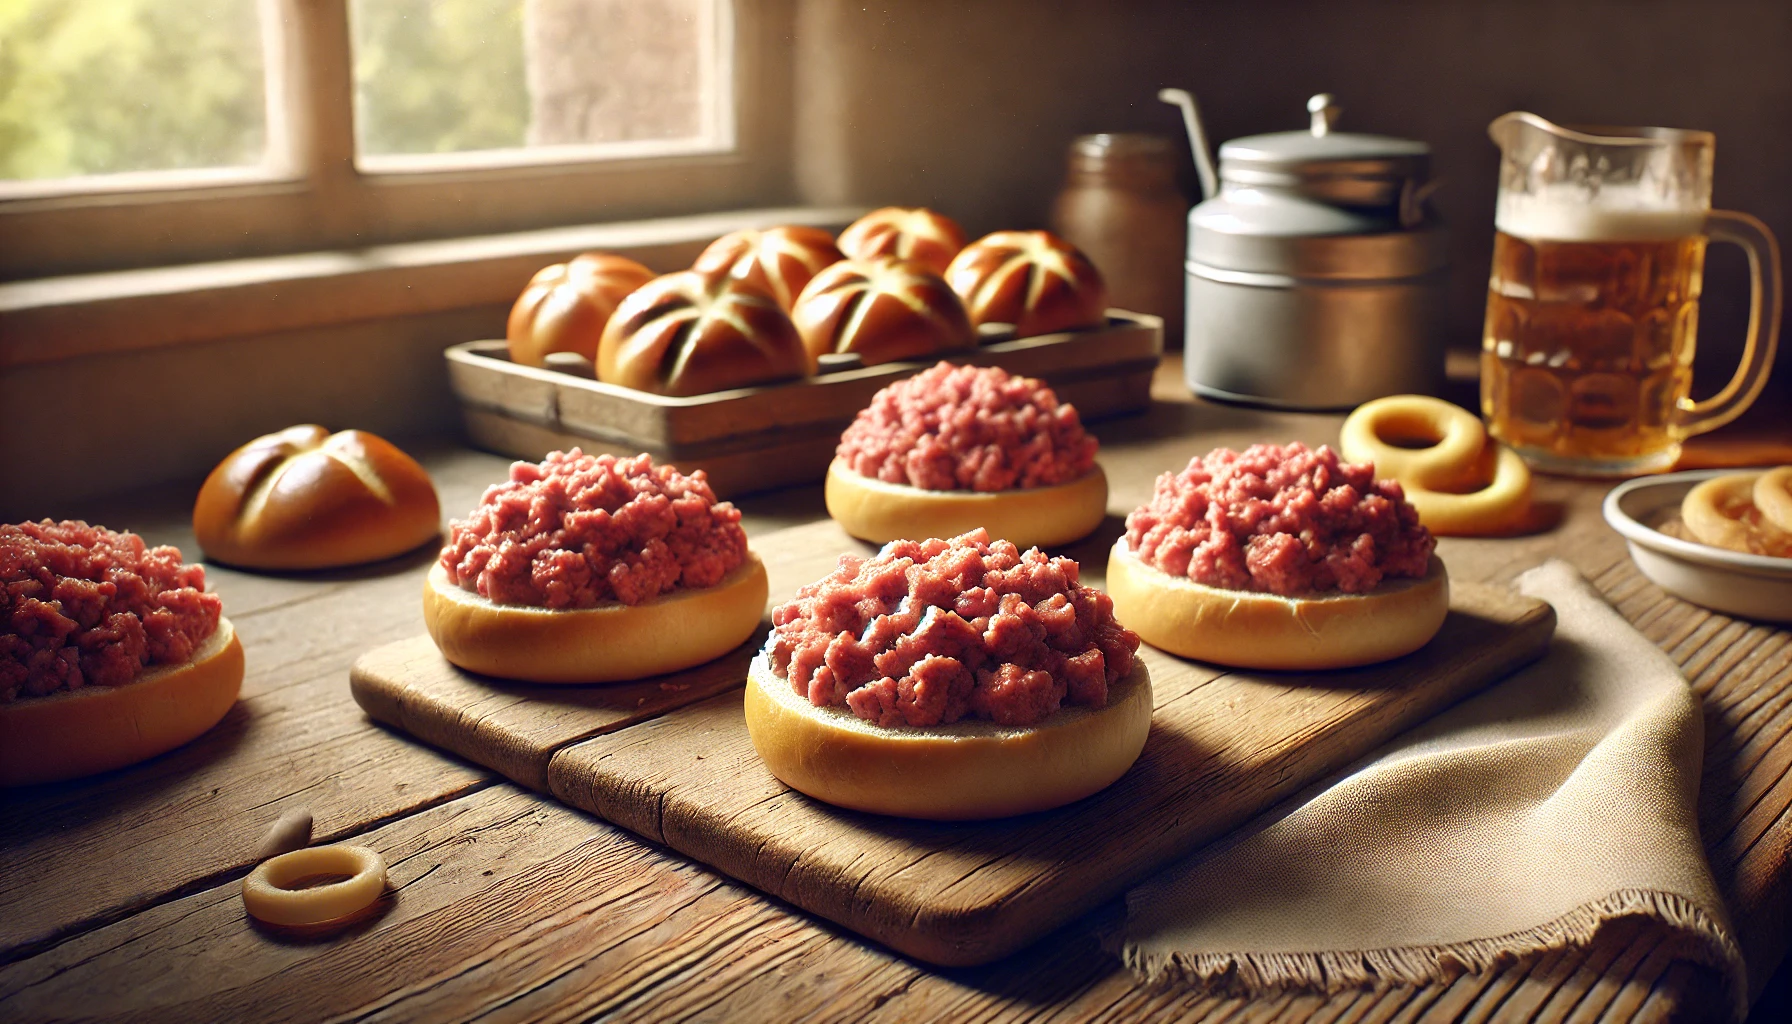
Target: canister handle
(1759,344)
(1197,138)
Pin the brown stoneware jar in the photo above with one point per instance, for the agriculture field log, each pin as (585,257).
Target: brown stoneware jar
(1121,206)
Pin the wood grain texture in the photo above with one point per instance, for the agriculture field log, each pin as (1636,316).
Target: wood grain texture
(483,377)
(758,462)
(88,851)
(578,919)
(506,907)
(1223,746)
(514,728)
(560,932)
(774,435)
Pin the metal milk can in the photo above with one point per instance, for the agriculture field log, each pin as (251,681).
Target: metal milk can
(1315,268)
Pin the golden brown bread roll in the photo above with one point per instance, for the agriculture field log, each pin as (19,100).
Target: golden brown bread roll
(111,651)
(694,332)
(968,770)
(884,309)
(74,733)
(606,644)
(779,261)
(565,306)
(1253,629)
(910,233)
(304,498)
(1032,279)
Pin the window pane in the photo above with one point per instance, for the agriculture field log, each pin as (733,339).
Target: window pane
(105,86)
(455,76)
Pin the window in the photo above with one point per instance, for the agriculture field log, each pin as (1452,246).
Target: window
(436,80)
(141,132)
(129,86)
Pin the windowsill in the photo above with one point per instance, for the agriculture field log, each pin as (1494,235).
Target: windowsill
(61,318)
(108,187)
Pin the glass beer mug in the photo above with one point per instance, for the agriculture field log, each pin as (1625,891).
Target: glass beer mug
(1593,304)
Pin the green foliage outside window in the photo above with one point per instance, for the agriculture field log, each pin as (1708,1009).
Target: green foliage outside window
(107,86)
(439,76)
(100,86)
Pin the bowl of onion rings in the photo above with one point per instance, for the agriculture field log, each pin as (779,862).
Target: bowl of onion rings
(1751,576)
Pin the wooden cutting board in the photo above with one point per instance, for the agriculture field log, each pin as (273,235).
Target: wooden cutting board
(670,759)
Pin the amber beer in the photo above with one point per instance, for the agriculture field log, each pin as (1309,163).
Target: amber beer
(1589,340)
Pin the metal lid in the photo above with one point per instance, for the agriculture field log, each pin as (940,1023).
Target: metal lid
(1369,256)
(1262,230)
(1345,168)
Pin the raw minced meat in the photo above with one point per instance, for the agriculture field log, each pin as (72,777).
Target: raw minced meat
(970,428)
(928,632)
(1283,520)
(83,605)
(578,531)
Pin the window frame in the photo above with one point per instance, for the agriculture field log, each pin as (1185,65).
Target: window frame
(310,194)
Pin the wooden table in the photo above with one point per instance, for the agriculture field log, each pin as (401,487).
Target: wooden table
(121,898)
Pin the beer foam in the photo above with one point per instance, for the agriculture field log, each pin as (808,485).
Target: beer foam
(1620,215)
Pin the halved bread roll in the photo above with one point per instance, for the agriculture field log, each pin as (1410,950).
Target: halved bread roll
(606,644)
(878,511)
(1249,629)
(970,769)
(72,733)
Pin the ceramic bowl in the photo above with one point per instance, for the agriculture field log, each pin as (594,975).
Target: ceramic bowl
(1750,586)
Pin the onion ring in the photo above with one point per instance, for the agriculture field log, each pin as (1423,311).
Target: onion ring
(1721,512)
(1773,496)
(1502,506)
(1448,464)
(268,894)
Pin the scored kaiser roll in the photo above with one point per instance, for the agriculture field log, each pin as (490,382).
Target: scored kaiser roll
(1033,281)
(696,332)
(304,498)
(565,306)
(883,310)
(1278,557)
(778,261)
(913,234)
(594,569)
(921,683)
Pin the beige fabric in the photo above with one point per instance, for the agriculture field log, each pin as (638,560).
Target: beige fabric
(1513,823)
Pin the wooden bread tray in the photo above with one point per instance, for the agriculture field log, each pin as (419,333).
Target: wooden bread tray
(750,439)
(670,759)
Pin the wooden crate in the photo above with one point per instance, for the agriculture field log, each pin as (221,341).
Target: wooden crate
(757,438)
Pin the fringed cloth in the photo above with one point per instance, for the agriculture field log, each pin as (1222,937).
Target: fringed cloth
(1516,823)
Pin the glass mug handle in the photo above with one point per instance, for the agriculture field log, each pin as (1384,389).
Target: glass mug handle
(1763,323)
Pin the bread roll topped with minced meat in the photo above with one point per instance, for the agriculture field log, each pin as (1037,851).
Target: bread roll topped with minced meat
(959,448)
(111,651)
(949,679)
(1279,557)
(594,569)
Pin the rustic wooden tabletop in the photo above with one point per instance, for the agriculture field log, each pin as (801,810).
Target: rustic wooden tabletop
(120,896)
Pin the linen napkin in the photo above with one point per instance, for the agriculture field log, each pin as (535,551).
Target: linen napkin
(1513,824)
